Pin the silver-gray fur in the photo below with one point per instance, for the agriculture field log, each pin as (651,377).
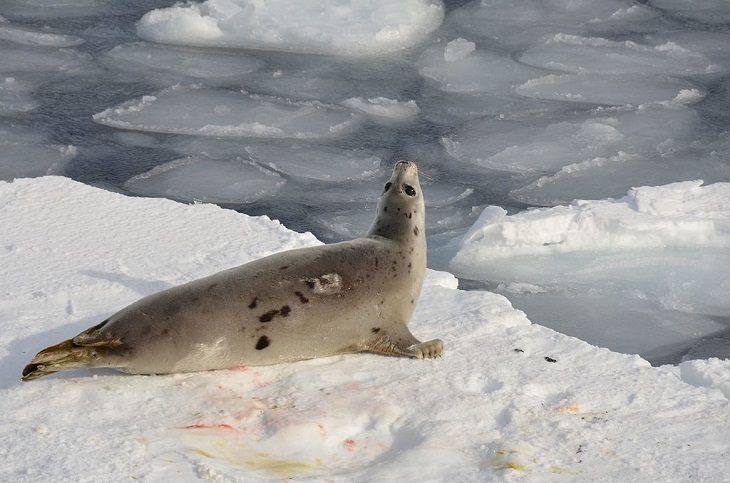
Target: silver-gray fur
(354,296)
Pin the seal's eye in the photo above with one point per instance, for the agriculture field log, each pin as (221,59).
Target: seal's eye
(387,186)
(410,190)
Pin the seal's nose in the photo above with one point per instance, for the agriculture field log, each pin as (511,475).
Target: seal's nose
(403,165)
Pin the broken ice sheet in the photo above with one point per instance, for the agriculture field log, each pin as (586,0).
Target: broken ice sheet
(216,112)
(200,178)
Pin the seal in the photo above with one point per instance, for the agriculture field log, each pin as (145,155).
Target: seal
(353,296)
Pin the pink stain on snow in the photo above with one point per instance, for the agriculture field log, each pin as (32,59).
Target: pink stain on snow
(238,368)
(350,445)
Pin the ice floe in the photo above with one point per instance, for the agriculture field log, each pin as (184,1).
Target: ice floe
(509,399)
(201,178)
(224,113)
(651,264)
(178,63)
(350,27)
(25,151)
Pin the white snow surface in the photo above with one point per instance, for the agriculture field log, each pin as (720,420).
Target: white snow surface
(494,408)
(337,27)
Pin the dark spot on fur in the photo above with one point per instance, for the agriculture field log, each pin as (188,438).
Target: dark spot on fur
(376,261)
(165,331)
(252,305)
(212,286)
(398,209)
(375,330)
(310,283)
(385,208)
(393,268)
(262,343)
(171,310)
(411,300)
(285,311)
(302,298)
(410,215)
(268,316)
(409,264)
(415,230)
(284,267)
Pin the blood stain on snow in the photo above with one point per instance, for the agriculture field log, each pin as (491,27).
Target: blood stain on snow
(350,445)
(238,368)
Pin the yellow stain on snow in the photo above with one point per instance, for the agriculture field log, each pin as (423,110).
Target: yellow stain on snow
(510,465)
(203,453)
(562,471)
(280,467)
(572,409)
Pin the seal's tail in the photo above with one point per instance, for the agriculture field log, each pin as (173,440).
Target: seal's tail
(84,350)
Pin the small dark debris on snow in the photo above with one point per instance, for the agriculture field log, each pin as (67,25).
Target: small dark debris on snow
(550,359)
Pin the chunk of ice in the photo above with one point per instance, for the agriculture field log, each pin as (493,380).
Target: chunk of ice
(384,110)
(540,145)
(611,89)
(25,152)
(201,178)
(573,53)
(29,36)
(216,112)
(15,95)
(345,27)
(179,62)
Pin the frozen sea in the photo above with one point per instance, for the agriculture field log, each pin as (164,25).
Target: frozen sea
(513,110)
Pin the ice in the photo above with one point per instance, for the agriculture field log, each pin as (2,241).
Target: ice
(709,11)
(28,36)
(536,145)
(611,89)
(15,95)
(22,58)
(216,112)
(573,53)
(210,180)
(321,163)
(177,63)
(649,266)
(56,8)
(347,27)
(712,44)
(384,110)
(26,152)
(509,400)
(516,25)
(456,67)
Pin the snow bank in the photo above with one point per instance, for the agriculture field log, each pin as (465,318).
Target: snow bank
(350,27)
(508,400)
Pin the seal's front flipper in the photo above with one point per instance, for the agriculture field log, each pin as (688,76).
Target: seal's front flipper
(427,350)
(403,344)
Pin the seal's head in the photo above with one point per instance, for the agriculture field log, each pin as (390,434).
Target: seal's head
(401,208)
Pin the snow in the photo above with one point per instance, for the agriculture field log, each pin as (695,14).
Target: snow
(346,27)
(650,266)
(509,399)
(213,112)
